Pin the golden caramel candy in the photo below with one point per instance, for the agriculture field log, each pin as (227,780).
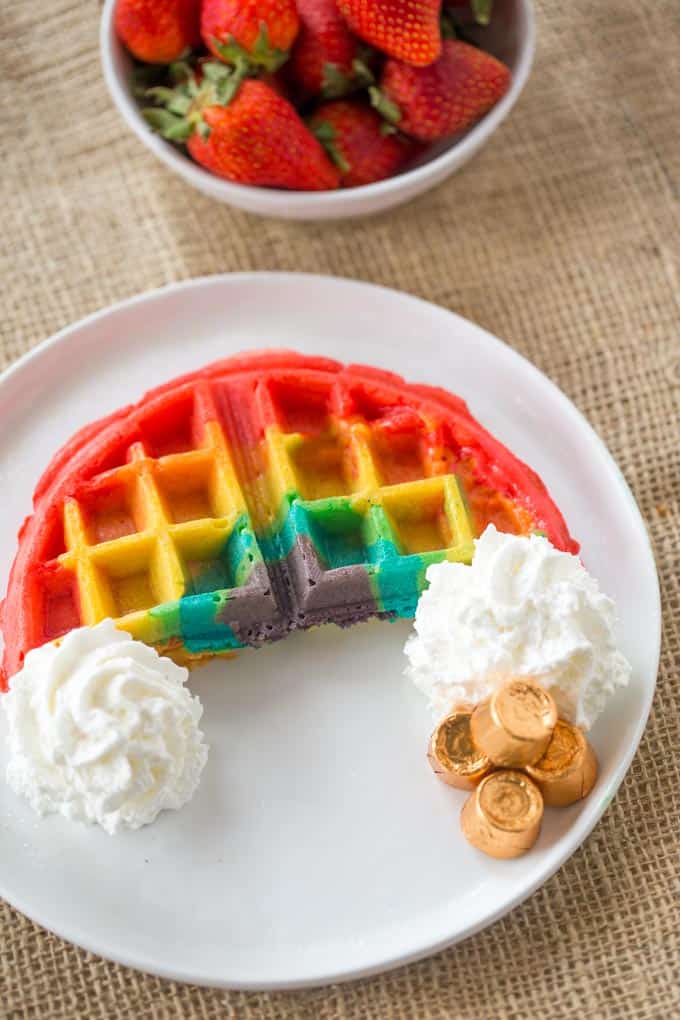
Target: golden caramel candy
(453,756)
(568,770)
(513,728)
(502,817)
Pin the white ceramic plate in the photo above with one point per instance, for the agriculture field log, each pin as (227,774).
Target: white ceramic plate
(319,846)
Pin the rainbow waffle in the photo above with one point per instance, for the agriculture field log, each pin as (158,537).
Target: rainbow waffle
(265,493)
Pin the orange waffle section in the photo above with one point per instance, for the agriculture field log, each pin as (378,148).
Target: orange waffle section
(381,452)
(362,497)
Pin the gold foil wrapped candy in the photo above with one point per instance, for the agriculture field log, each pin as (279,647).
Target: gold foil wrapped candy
(568,770)
(503,815)
(452,754)
(513,728)
(516,756)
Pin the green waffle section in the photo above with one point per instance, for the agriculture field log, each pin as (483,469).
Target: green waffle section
(393,533)
(231,566)
(198,618)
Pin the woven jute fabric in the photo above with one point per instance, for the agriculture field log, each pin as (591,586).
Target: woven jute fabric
(563,237)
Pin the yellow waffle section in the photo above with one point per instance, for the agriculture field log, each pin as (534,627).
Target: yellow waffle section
(393,533)
(192,537)
(335,462)
(427,516)
(409,527)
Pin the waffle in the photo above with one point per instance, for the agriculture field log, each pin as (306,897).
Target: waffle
(265,493)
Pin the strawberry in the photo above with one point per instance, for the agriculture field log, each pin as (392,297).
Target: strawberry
(355,138)
(259,32)
(322,59)
(242,130)
(428,103)
(157,31)
(407,29)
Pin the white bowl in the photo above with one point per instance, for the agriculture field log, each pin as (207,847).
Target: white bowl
(511,37)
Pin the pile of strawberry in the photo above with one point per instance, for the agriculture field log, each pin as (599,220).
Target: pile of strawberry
(309,94)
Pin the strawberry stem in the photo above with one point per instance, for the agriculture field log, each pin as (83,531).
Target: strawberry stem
(363,75)
(385,107)
(337,83)
(167,124)
(179,71)
(482,10)
(325,133)
(262,54)
(178,112)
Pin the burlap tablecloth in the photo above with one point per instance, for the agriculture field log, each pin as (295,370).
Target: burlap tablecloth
(563,238)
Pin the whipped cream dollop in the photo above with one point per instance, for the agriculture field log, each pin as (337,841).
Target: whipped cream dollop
(102,729)
(522,608)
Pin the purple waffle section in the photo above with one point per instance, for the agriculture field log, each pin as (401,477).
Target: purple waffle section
(315,595)
(255,615)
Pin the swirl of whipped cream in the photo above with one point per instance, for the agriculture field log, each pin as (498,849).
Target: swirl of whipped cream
(522,608)
(102,729)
